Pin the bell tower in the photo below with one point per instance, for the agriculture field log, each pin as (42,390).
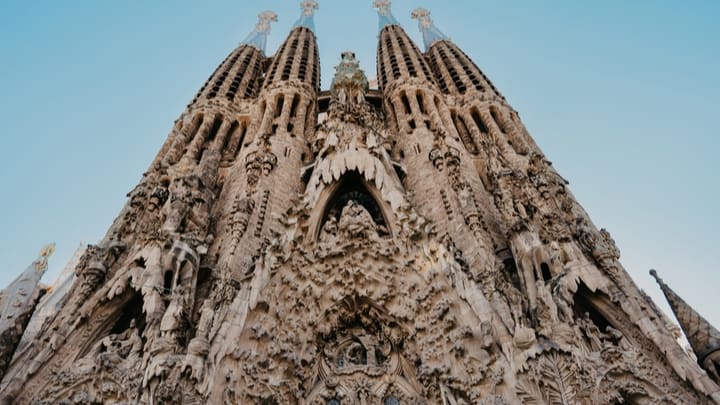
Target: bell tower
(403,245)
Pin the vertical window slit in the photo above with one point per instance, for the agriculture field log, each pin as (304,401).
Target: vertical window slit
(230,134)
(406,104)
(465,134)
(500,123)
(215,128)
(421,102)
(294,107)
(279,106)
(241,140)
(479,122)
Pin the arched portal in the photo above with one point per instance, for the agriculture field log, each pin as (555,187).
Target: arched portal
(351,189)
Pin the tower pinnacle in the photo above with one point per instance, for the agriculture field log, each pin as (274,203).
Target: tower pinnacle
(703,337)
(308,13)
(258,38)
(431,33)
(384,13)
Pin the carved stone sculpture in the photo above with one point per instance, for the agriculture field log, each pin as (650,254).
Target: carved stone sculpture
(405,244)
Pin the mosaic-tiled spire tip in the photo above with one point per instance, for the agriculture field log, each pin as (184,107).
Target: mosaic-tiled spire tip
(430,32)
(307,19)
(703,337)
(258,38)
(384,13)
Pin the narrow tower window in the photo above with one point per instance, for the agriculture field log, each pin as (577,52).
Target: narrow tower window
(279,105)
(421,102)
(479,122)
(465,134)
(406,103)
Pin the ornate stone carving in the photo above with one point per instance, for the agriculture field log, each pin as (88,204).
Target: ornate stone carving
(367,260)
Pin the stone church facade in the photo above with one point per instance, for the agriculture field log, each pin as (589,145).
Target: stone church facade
(409,244)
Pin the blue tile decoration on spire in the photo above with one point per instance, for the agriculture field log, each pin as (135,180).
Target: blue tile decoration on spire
(258,38)
(307,18)
(384,14)
(430,32)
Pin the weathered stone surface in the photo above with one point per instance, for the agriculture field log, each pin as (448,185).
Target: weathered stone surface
(410,245)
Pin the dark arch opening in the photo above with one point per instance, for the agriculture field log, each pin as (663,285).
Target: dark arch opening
(546,273)
(391,400)
(133,310)
(168,282)
(511,272)
(352,188)
(583,304)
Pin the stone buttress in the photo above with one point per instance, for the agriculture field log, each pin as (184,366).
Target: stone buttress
(403,245)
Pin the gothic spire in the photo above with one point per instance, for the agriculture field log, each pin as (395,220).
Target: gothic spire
(20,296)
(258,37)
(703,337)
(430,32)
(384,13)
(307,19)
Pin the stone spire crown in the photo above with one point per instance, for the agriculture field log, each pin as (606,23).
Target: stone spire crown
(307,18)
(703,337)
(258,37)
(430,32)
(384,14)
(19,293)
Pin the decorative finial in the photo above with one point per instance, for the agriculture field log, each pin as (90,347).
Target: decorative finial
(385,14)
(258,38)
(703,337)
(383,6)
(431,33)
(423,17)
(264,20)
(42,262)
(308,8)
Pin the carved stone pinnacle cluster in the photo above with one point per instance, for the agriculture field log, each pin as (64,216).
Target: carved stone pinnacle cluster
(406,244)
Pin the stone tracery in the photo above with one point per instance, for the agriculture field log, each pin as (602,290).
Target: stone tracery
(419,261)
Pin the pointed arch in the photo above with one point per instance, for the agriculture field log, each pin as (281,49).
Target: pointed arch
(127,310)
(351,186)
(362,344)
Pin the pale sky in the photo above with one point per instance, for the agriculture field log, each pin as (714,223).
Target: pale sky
(621,95)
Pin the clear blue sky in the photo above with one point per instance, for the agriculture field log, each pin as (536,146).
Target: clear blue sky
(622,95)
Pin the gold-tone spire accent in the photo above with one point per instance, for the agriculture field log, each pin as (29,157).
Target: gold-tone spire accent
(41,263)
